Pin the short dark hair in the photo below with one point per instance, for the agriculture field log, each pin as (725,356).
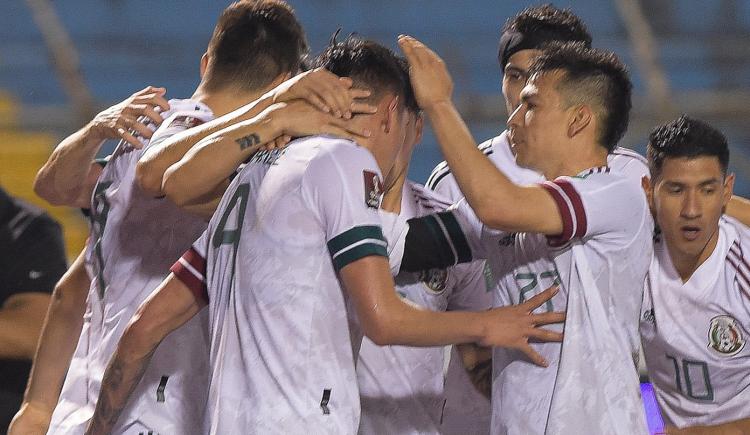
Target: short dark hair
(686,137)
(410,100)
(254,42)
(540,25)
(595,78)
(369,64)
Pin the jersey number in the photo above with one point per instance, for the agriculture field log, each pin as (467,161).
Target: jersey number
(533,282)
(691,390)
(98,222)
(223,236)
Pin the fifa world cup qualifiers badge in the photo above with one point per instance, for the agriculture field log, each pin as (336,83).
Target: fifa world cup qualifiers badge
(373,189)
(725,336)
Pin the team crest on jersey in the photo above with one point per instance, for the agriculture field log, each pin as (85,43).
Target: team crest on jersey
(725,336)
(373,189)
(435,280)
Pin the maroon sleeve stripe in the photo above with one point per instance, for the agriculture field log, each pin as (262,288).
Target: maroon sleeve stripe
(580,212)
(565,213)
(195,260)
(192,282)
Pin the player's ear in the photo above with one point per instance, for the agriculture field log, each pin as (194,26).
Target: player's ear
(728,189)
(580,118)
(648,188)
(391,115)
(419,125)
(204,64)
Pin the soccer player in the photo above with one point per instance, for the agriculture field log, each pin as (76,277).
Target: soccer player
(695,319)
(523,38)
(135,238)
(294,250)
(402,388)
(574,230)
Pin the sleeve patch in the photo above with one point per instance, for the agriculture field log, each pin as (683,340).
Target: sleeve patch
(373,189)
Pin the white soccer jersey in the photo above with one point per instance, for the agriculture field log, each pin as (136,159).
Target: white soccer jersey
(401,388)
(282,345)
(134,240)
(695,333)
(498,150)
(591,385)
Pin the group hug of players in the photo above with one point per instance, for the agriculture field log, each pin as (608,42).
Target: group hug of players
(244,241)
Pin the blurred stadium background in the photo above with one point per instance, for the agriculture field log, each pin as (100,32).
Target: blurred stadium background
(61,62)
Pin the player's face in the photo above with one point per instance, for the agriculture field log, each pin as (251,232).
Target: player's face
(538,126)
(515,75)
(688,198)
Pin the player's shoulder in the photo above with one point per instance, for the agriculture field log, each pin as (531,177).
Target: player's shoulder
(626,156)
(428,201)
(738,231)
(442,171)
(629,163)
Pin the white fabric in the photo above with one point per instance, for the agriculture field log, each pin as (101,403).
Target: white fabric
(695,333)
(134,239)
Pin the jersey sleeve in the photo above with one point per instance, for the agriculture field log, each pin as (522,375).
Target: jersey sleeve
(600,205)
(471,292)
(190,269)
(344,188)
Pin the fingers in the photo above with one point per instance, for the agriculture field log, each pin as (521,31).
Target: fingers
(539,299)
(129,138)
(541,334)
(363,108)
(547,318)
(533,355)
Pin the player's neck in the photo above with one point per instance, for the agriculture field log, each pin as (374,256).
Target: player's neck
(575,163)
(224,101)
(686,264)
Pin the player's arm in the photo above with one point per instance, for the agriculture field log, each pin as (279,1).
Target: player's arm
(477,361)
(65,179)
(739,208)
(505,206)
(57,342)
(201,175)
(170,306)
(322,89)
(387,320)
(738,427)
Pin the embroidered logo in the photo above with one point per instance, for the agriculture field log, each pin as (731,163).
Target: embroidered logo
(373,189)
(435,280)
(724,336)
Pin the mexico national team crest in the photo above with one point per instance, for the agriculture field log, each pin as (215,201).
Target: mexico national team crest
(725,336)
(435,280)
(373,189)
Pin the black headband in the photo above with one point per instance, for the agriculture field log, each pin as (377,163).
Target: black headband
(512,42)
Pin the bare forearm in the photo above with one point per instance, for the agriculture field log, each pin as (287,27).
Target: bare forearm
(411,326)
(59,336)
(63,176)
(473,171)
(120,379)
(739,208)
(155,162)
(214,159)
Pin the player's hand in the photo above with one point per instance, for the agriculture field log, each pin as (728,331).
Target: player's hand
(324,90)
(300,118)
(30,420)
(430,79)
(515,326)
(128,119)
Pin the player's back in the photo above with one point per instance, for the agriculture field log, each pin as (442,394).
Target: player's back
(695,333)
(282,345)
(134,240)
